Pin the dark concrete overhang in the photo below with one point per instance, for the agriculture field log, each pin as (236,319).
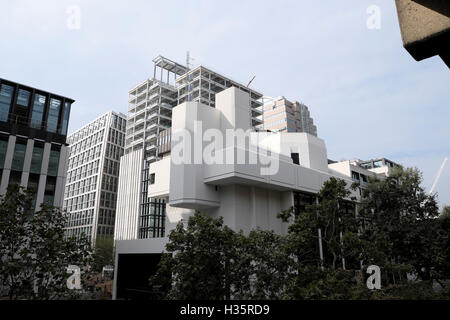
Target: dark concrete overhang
(425,28)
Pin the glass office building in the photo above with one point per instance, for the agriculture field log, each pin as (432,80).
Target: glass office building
(33,149)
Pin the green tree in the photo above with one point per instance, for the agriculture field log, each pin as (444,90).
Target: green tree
(34,253)
(445,211)
(264,265)
(103,253)
(400,226)
(207,260)
(395,227)
(199,263)
(326,276)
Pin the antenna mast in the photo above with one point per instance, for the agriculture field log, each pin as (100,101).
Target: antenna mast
(188,60)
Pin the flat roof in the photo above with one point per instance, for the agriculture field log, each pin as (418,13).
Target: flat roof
(37,89)
(170,65)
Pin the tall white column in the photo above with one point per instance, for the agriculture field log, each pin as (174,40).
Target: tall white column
(27,163)
(7,166)
(43,177)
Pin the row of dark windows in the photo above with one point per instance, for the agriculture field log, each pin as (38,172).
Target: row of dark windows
(78,232)
(36,109)
(119,123)
(15,174)
(152,212)
(80,218)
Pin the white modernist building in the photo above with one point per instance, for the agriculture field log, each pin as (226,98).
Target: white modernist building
(246,179)
(148,135)
(90,193)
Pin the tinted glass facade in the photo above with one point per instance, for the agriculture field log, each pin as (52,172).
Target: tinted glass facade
(33,127)
(3,148)
(53,113)
(38,111)
(19,156)
(33,113)
(53,163)
(6,93)
(152,211)
(36,158)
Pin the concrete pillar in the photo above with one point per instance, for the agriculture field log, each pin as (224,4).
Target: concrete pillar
(43,177)
(61,178)
(7,166)
(27,163)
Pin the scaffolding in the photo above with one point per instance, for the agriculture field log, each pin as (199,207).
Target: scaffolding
(151,102)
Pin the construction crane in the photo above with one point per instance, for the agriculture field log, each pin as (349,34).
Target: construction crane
(251,81)
(438,175)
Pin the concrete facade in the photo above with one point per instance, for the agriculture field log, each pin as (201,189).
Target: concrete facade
(282,115)
(33,148)
(425,28)
(90,193)
(149,127)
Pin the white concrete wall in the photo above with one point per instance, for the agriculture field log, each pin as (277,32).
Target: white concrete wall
(174,215)
(342,167)
(129,192)
(312,150)
(161,169)
(248,208)
(234,107)
(186,180)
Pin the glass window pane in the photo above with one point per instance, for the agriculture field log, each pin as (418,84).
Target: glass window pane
(23,97)
(6,93)
(3,148)
(65,121)
(38,111)
(19,156)
(53,163)
(36,160)
(53,112)
(378,164)
(48,199)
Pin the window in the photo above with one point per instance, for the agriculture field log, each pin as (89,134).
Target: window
(53,163)
(19,156)
(366,165)
(3,148)
(65,118)
(378,164)
(38,111)
(53,113)
(49,192)
(295,158)
(33,185)
(152,178)
(355,176)
(6,93)
(15,177)
(36,159)
(23,98)
(302,201)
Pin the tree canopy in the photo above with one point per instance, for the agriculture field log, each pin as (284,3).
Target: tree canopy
(325,253)
(33,250)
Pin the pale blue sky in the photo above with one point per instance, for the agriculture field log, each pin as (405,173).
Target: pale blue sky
(368,97)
